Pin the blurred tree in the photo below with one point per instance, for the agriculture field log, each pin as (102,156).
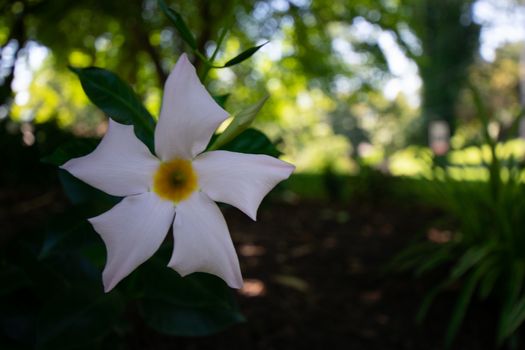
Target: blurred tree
(132,38)
(441,38)
(499,84)
(316,47)
(449,41)
(335,43)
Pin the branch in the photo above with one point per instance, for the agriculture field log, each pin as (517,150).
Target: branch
(18,33)
(143,40)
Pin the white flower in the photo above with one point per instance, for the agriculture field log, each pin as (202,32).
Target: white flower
(177,188)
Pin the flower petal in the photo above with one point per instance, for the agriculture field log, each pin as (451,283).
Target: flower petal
(121,165)
(188,117)
(132,231)
(202,241)
(238,179)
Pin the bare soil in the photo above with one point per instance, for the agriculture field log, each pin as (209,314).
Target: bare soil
(316,279)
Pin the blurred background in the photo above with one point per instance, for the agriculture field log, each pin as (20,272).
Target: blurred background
(404,119)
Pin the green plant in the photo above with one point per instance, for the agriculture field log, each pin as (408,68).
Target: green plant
(486,256)
(50,278)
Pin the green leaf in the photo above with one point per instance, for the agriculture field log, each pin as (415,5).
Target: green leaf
(244,55)
(69,232)
(461,306)
(76,190)
(511,300)
(221,99)
(411,257)
(515,280)
(438,258)
(77,318)
(469,259)
(252,141)
(241,122)
(180,25)
(118,100)
(488,282)
(196,305)
(179,320)
(511,320)
(428,300)
(80,192)
(72,149)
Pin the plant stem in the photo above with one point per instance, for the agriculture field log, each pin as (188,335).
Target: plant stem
(494,166)
(209,62)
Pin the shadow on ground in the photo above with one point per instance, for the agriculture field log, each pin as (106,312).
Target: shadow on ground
(315,279)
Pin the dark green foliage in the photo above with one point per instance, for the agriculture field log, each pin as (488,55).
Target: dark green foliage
(221,99)
(243,56)
(177,20)
(74,318)
(118,100)
(52,289)
(53,298)
(50,280)
(252,141)
(20,162)
(198,305)
(486,257)
(55,301)
(73,149)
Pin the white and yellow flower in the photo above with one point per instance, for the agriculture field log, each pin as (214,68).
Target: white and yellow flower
(177,187)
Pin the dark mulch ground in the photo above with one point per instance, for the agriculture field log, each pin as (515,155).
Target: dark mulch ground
(316,280)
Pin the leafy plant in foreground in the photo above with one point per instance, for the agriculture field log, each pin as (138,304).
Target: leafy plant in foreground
(50,279)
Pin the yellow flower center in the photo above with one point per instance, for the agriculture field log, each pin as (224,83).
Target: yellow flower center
(175,180)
